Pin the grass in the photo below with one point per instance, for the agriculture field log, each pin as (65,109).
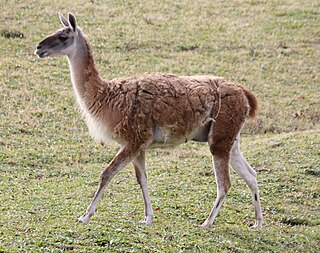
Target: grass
(49,166)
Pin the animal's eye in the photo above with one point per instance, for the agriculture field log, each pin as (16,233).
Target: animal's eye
(63,38)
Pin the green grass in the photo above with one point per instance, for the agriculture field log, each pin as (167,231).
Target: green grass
(50,167)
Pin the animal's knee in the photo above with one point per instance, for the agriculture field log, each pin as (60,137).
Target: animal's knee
(139,179)
(226,185)
(105,176)
(253,185)
(223,191)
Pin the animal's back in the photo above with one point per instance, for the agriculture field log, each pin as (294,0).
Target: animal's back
(164,107)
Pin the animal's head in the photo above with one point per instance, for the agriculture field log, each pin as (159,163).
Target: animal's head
(62,42)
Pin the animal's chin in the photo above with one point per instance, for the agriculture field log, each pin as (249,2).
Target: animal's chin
(41,54)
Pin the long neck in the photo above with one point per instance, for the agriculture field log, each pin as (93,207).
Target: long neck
(84,75)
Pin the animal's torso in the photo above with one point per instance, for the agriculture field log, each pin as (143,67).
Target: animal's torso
(156,109)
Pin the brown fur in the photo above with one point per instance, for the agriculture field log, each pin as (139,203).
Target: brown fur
(132,106)
(253,103)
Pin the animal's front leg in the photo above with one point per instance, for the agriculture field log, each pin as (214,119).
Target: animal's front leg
(140,169)
(124,157)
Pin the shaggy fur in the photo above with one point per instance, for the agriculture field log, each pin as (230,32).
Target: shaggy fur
(157,110)
(133,108)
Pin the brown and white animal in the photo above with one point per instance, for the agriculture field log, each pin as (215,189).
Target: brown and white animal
(157,110)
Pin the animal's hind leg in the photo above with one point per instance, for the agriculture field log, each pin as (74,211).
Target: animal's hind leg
(124,157)
(140,170)
(221,165)
(245,171)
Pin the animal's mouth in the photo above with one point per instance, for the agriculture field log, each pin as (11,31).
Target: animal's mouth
(41,53)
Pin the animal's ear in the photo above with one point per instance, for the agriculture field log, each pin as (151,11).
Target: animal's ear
(72,21)
(63,20)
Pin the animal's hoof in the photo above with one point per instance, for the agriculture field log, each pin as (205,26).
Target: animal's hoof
(258,225)
(147,220)
(205,225)
(84,219)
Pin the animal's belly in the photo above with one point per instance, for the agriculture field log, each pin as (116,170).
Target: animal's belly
(166,137)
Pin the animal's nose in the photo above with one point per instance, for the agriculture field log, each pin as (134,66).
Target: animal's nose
(39,46)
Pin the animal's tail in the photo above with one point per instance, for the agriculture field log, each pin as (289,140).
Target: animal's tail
(253,103)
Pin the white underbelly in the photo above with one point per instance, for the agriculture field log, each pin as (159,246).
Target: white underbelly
(163,139)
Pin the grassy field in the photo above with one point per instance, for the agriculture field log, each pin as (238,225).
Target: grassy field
(50,167)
